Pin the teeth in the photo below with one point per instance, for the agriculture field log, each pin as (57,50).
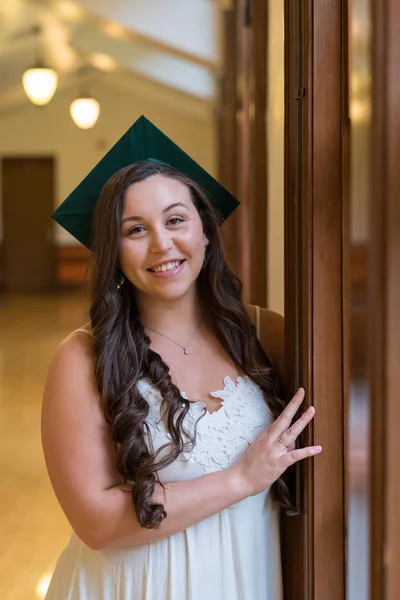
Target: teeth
(167,267)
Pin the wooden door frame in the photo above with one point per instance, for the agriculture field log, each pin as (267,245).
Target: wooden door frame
(384,312)
(245,185)
(242,128)
(316,134)
(258,21)
(316,305)
(227,132)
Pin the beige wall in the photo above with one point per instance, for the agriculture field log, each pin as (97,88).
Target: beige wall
(275,133)
(33,131)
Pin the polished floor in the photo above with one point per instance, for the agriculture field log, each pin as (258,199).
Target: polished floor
(33,529)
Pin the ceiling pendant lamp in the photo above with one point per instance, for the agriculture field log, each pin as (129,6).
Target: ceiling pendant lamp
(85,112)
(40,84)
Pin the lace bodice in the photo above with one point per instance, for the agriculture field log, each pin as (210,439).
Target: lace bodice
(222,436)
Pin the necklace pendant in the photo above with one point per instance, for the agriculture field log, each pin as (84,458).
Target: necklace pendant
(186,350)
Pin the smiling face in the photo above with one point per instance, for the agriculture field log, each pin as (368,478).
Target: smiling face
(162,241)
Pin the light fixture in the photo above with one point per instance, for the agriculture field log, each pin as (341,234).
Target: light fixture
(85,112)
(40,83)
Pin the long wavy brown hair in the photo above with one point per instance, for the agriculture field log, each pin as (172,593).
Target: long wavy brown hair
(122,352)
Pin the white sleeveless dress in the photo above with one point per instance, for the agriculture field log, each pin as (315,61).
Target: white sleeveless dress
(233,555)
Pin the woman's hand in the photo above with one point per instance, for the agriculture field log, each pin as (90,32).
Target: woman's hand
(274,449)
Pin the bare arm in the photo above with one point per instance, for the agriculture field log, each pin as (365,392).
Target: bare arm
(80,459)
(186,503)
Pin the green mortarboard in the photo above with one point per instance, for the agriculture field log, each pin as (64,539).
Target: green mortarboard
(142,141)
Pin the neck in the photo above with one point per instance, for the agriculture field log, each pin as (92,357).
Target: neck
(176,318)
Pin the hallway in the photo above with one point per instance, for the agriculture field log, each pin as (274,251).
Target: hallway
(33,529)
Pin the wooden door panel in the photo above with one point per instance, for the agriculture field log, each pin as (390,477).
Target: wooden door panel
(315,178)
(28,201)
(384,312)
(243,143)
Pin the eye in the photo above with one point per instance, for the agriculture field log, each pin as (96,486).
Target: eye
(175,221)
(136,230)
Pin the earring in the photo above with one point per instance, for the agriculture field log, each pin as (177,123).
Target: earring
(205,257)
(120,280)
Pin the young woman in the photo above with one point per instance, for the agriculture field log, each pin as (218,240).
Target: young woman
(163,431)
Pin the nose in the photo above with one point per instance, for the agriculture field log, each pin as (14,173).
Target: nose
(160,242)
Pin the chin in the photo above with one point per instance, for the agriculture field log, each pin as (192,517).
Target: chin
(169,293)
(172,295)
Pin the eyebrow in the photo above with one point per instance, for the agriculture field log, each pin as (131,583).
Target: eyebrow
(170,207)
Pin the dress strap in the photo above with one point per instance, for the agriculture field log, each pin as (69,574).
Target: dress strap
(258,325)
(85,329)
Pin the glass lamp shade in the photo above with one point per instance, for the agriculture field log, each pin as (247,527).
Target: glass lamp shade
(85,112)
(40,85)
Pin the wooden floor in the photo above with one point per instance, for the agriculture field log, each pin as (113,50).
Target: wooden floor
(33,529)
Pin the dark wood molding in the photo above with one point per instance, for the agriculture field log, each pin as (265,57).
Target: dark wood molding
(384,313)
(244,148)
(259,197)
(315,126)
(72,266)
(243,143)
(293,528)
(227,133)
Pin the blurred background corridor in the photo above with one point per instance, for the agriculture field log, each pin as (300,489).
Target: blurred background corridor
(160,58)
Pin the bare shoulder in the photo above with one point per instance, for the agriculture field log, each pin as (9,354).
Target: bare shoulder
(72,358)
(272,334)
(76,438)
(77,341)
(70,385)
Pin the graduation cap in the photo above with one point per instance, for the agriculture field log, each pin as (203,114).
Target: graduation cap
(142,141)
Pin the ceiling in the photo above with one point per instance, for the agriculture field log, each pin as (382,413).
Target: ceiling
(174,44)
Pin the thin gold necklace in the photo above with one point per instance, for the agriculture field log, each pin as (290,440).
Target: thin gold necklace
(184,348)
